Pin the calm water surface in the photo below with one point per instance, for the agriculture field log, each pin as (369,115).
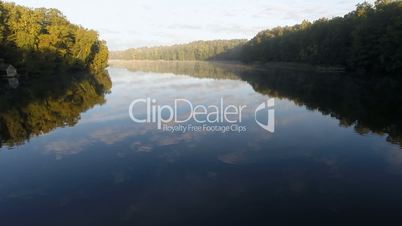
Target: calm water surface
(72,155)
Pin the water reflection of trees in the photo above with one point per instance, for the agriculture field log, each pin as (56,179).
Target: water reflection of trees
(198,69)
(369,105)
(40,105)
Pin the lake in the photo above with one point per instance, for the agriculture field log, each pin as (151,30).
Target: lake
(72,155)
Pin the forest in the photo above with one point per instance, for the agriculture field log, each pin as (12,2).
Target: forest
(42,41)
(367,40)
(199,50)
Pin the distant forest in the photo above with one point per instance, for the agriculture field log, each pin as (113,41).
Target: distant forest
(367,40)
(42,41)
(199,50)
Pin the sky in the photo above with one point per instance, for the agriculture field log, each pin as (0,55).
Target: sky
(138,23)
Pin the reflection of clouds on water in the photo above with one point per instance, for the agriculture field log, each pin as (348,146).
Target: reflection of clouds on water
(26,193)
(232,158)
(101,117)
(141,148)
(158,140)
(111,136)
(166,87)
(63,147)
(108,136)
(393,156)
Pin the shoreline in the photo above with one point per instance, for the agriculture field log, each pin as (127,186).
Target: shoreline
(255,65)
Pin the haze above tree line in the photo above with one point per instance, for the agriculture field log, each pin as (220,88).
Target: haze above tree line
(366,40)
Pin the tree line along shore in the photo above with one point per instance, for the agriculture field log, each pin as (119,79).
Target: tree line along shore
(366,40)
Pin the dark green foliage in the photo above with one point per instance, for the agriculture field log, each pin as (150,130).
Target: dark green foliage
(43,41)
(367,40)
(200,50)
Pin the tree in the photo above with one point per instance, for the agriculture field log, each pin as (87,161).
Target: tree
(367,39)
(43,41)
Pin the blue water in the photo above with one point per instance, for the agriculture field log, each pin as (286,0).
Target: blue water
(106,169)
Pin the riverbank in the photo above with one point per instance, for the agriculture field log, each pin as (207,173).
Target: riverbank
(236,65)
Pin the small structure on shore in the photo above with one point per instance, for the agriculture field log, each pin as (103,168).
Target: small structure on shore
(7,70)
